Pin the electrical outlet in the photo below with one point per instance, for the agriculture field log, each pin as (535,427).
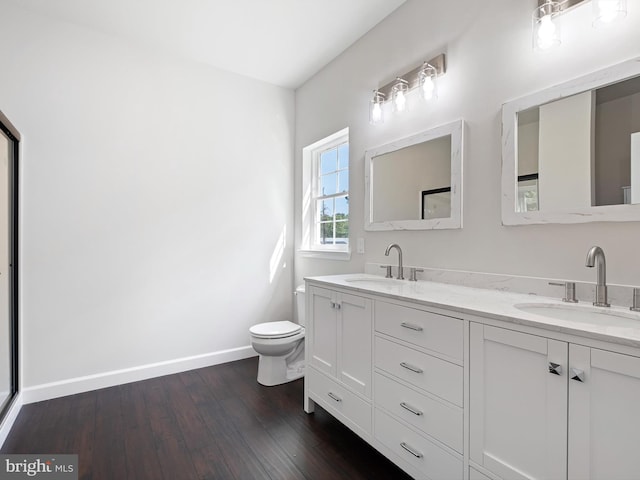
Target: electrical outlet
(360,246)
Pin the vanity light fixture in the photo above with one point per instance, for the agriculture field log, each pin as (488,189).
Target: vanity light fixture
(376,114)
(427,79)
(545,25)
(423,77)
(398,95)
(546,29)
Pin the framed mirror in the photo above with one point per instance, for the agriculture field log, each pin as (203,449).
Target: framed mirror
(416,183)
(571,153)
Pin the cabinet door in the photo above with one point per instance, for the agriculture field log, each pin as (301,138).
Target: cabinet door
(354,343)
(518,408)
(604,415)
(323,319)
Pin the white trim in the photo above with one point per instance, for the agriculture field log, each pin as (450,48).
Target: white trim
(309,153)
(10,418)
(332,140)
(118,377)
(326,254)
(605,213)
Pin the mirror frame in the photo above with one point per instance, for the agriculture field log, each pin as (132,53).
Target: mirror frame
(455,129)
(510,110)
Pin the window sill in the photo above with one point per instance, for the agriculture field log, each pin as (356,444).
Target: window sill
(326,254)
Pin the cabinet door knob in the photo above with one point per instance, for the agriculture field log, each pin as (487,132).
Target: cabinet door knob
(411,367)
(411,326)
(411,409)
(577,375)
(555,368)
(333,396)
(411,450)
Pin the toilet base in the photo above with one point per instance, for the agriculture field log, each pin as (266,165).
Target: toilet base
(275,371)
(278,369)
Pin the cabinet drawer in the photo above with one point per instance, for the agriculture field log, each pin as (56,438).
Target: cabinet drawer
(443,379)
(340,402)
(434,417)
(418,452)
(438,333)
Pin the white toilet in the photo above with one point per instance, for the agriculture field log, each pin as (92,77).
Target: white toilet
(281,347)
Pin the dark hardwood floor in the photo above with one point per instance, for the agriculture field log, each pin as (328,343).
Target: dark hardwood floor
(211,423)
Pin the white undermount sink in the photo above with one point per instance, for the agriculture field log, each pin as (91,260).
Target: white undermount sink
(582,313)
(373,280)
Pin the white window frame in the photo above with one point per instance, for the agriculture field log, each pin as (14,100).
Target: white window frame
(310,226)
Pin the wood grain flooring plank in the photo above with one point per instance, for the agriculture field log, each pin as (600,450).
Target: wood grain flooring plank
(213,423)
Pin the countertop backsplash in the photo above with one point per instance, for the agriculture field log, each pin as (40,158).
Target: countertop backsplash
(619,295)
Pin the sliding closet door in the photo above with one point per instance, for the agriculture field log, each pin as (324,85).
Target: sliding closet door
(8,266)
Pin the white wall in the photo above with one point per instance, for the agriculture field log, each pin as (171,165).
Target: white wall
(528,141)
(565,157)
(490,61)
(635,167)
(154,193)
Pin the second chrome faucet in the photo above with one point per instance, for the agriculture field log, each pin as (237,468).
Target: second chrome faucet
(595,258)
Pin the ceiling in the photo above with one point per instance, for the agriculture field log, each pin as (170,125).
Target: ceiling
(283,42)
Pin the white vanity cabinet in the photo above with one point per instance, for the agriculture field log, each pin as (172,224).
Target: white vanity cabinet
(393,373)
(450,383)
(339,359)
(548,409)
(419,390)
(604,414)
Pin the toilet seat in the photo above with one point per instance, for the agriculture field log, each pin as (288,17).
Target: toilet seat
(281,329)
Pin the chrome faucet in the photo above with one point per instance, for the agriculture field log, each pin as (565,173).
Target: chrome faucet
(595,257)
(400,269)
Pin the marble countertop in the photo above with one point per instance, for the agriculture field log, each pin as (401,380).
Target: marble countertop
(614,324)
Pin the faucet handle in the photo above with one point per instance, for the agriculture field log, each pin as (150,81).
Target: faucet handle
(388,267)
(569,291)
(412,273)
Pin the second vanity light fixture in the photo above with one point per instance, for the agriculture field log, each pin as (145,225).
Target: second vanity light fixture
(423,77)
(546,28)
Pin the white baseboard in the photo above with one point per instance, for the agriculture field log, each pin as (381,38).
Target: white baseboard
(118,377)
(10,418)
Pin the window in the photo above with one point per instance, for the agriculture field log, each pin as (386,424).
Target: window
(326,196)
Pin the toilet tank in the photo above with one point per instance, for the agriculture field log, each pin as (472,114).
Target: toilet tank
(300,304)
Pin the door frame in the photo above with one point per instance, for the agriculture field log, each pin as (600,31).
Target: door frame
(14,167)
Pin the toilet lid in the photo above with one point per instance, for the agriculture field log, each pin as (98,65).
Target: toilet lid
(275,329)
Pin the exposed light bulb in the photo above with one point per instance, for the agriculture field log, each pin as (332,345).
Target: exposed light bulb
(400,101)
(428,87)
(608,11)
(376,113)
(546,32)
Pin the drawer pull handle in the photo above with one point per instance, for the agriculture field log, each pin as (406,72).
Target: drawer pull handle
(412,451)
(577,375)
(333,396)
(413,410)
(555,368)
(411,367)
(410,326)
